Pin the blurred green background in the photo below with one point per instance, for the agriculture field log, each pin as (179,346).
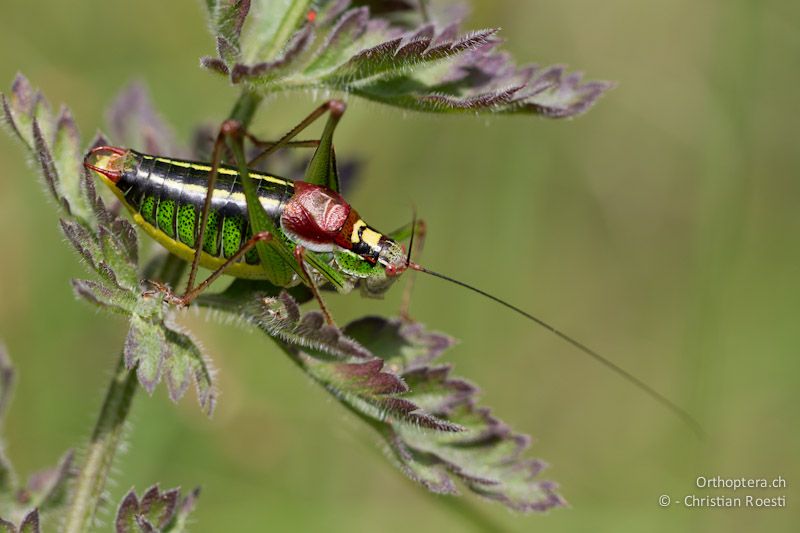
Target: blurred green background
(661,228)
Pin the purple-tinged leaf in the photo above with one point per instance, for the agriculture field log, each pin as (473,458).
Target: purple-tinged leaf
(214,64)
(6,385)
(144,525)
(281,317)
(145,348)
(227,51)
(6,526)
(158,507)
(82,241)
(7,476)
(227,18)
(388,58)
(107,242)
(156,511)
(126,233)
(134,122)
(107,273)
(424,68)
(386,7)
(406,345)
(23,107)
(185,508)
(23,94)
(18,109)
(46,163)
(116,256)
(101,213)
(435,391)
(67,157)
(47,489)
(330,12)
(350,372)
(369,378)
(42,113)
(486,455)
(30,524)
(420,467)
(267,70)
(103,296)
(430,420)
(8,117)
(125,521)
(347,30)
(406,412)
(185,359)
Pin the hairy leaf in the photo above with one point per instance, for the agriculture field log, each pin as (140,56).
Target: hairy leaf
(384,371)
(227,17)
(162,511)
(126,513)
(363,48)
(107,242)
(186,362)
(134,122)
(7,526)
(185,508)
(30,524)
(6,381)
(47,489)
(7,477)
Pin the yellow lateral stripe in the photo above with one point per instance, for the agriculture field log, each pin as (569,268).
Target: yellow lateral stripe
(239,270)
(225,171)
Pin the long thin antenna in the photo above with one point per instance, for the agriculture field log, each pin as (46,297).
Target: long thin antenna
(650,391)
(413,232)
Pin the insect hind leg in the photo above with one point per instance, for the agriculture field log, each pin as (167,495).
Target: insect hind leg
(191,293)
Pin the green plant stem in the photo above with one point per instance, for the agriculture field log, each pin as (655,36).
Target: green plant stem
(107,434)
(108,430)
(245,108)
(102,449)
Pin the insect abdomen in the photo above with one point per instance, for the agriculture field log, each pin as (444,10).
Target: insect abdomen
(169,194)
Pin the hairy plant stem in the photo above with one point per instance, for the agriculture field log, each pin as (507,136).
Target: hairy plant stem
(107,434)
(245,108)
(102,448)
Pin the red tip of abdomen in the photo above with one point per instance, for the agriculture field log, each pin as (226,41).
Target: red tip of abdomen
(106,160)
